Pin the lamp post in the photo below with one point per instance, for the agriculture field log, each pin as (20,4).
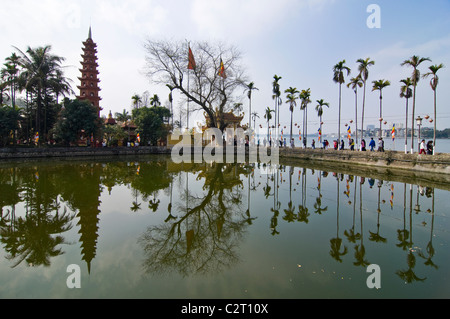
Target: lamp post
(419,123)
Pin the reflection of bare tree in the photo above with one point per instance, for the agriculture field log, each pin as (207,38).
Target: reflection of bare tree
(205,238)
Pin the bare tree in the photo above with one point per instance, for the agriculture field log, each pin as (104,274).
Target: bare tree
(206,85)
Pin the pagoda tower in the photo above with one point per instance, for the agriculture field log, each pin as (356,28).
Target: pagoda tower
(89,89)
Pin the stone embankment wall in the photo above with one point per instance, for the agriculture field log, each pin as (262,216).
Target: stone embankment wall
(439,163)
(61,152)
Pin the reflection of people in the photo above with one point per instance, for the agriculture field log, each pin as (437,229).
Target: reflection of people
(372,144)
(422,148)
(430,148)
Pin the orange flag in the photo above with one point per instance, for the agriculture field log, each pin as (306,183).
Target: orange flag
(192,64)
(222,70)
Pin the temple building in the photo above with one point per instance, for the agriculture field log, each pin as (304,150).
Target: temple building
(89,89)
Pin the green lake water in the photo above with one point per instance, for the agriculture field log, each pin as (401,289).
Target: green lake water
(148,228)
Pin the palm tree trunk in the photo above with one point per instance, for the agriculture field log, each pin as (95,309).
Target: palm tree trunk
(412,119)
(363,109)
(339,121)
(291,126)
(406,130)
(435,119)
(381,113)
(356,117)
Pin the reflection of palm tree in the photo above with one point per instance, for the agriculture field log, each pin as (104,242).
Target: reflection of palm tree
(336,243)
(430,249)
(403,234)
(32,239)
(376,237)
(409,275)
(289,213)
(136,206)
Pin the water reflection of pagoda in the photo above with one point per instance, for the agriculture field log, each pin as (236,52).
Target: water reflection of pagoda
(89,89)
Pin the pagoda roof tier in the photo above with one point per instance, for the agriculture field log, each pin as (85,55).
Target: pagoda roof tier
(89,79)
(89,56)
(88,72)
(89,88)
(83,63)
(89,43)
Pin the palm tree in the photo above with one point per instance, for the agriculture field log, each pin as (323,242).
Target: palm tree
(268,117)
(380,85)
(154,100)
(276,96)
(414,62)
(292,101)
(11,71)
(338,77)
(406,92)
(4,96)
(305,98)
(363,69)
(41,70)
(354,84)
(254,116)
(250,88)
(122,117)
(434,83)
(319,108)
(136,100)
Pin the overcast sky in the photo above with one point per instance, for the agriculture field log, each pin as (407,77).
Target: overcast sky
(299,40)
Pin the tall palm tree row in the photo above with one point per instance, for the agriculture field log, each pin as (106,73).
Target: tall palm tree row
(379,85)
(291,99)
(339,77)
(434,83)
(414,62)
(268,117)
(319,108)
(305,100)
(250,88)
(41,75)
(276,97)
(406,92)
(363,69)
(356,82)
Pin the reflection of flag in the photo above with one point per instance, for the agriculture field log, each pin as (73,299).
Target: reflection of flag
(222,70)
(393,133)
(192,64)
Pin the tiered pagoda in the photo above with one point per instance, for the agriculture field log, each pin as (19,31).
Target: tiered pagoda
(89,89)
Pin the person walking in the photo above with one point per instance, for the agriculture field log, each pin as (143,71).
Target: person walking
(380,145)
(430,148)
(372,145)
(363,145)
(423,148)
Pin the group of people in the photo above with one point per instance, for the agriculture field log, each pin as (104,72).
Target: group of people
(426,148)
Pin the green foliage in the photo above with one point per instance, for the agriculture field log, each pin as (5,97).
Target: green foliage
(75,117)
(150,122)
(9,117)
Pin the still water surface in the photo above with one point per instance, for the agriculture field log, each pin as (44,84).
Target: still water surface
(149,228)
